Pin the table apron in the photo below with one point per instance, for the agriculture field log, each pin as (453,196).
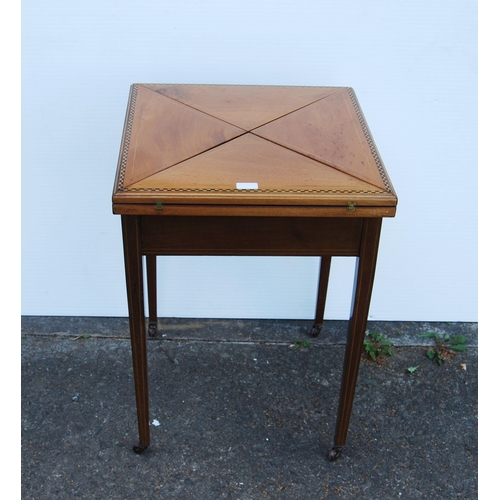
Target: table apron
(226,235)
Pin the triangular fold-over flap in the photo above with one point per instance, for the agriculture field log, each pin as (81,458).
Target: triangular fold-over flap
(244,106)
(328,131)
(257,162)
(165,132)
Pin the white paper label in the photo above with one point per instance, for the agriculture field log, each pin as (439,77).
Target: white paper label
(247,185)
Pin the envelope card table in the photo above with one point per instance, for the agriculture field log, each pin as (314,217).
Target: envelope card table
(249,170)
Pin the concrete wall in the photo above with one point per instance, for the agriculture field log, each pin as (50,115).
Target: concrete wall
(412,64)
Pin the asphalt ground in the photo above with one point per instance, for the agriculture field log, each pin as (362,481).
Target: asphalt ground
(244,409)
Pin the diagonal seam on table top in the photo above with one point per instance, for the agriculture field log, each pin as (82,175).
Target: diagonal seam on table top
(135,186)
(317,160)
(130,175)
(160,168)
(166,167)
(276,136)
(214,115)
(196,109)
(277,144)
(331,164)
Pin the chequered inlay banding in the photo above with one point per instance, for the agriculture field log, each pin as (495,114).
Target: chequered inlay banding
(126,139)
(369,140)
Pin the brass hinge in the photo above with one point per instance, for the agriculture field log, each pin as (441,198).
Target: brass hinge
(351,206)
(158,205)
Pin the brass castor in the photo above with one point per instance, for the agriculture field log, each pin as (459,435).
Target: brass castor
(316,330)
(152,329)
(335,453)
(139,448)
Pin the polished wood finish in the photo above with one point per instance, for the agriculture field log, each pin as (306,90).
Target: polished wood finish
(156,137)
(365,274)
(326,132)
(191,235)
(301,146)
(253,210)
(324,275)
(245,106)
(314,185)
(134,278)
(152,300)
(250,158)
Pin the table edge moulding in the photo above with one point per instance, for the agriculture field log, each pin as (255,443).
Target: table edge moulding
(249,170)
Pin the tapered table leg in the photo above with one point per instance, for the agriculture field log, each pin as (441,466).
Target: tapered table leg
(365,274)
(324,274)
(135,296)
(152,300)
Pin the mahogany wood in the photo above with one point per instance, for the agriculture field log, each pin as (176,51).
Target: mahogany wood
(318,188)
(245,106)
(152,300)
(307,146)
(253,210)
(324,274)
(325,131)
(184,235)
(135,295)
(365,274)
(156,135)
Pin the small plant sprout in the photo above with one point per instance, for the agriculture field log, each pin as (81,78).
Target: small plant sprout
(377,344)
(444,346)
(412,369)
(83,336)
(300,343)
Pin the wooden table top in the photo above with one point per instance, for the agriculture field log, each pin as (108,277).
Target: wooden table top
(236,149)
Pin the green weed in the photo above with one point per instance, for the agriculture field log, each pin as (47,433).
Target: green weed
(377,344)
(445,347)
(301,343)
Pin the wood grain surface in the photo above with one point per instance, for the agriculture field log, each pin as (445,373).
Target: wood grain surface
(296,146)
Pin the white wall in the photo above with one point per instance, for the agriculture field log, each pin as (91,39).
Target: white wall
(413,65)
